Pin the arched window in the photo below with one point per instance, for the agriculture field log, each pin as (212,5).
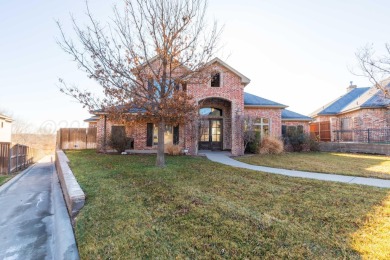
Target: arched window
(210,111)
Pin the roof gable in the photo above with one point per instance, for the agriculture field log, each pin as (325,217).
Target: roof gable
(244,80)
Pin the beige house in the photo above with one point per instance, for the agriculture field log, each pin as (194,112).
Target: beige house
(5,129)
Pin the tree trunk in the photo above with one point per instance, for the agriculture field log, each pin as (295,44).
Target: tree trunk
(160,162)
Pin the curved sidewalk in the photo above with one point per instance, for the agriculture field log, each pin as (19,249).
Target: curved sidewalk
(223,157)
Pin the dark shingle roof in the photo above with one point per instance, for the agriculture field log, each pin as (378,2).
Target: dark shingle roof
(340,103)
(92,119)
(290,115)
(252,100)
(131,110)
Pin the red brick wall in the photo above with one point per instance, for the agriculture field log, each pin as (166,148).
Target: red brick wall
(232,91)
(361,119)
(274,114)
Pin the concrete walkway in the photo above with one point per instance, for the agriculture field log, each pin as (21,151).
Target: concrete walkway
(34,223)
(223,157)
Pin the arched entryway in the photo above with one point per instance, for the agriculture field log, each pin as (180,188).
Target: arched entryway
(215,124)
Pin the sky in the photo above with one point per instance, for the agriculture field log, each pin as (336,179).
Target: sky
(298,53)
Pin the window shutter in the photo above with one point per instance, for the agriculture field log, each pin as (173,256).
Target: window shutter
(284,130)
(176,135)
(149,134)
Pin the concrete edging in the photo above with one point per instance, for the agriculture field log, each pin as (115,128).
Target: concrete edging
(73,194)
(64,241)
(369,148)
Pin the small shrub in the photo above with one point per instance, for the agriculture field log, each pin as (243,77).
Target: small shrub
(296,140)
(252,141)
(172,149)
(119,141)
(271,145)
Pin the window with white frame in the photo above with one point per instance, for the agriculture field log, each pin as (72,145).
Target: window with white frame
(262,125)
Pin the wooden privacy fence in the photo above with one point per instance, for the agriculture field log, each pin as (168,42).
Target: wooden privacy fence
(321,131)
(4,157)
(15,158)
(76,138)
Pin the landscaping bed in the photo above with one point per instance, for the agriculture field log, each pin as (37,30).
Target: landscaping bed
(194,208)
(376,166)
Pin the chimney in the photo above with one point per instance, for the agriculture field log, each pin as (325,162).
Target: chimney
(351,86)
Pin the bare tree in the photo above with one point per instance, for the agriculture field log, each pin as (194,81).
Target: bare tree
(143,59)
(248,132)
(375,68)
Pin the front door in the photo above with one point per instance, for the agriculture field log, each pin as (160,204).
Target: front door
(210,134)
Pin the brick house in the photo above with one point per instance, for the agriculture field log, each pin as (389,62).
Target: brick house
(223,106)
(92,121)
(355,113)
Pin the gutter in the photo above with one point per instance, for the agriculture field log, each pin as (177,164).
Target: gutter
(296,119)
(265,106)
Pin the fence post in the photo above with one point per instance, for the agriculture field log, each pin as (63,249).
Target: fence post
(10,158)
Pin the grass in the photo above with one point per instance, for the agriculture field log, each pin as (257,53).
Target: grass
(4,178)
(194,208)
(377,166)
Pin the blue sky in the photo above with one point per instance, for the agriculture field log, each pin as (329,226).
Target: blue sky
(295,52)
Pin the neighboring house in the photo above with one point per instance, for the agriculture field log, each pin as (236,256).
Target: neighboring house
(357,111)
(92,121)
(5,129)
(223,106)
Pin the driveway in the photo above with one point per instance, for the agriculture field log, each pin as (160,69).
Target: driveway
(29,213)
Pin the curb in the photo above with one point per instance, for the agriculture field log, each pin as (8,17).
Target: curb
(73,194)
(64,242)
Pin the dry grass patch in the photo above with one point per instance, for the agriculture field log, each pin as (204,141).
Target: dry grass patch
(197,209)
(376,166)
(271,145)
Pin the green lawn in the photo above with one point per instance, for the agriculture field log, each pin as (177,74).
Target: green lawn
(195,208)
(377,166)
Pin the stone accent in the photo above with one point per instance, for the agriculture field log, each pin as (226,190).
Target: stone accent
(73,194)
(355,148)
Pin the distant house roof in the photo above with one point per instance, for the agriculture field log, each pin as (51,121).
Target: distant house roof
(256,101)
(340,103)
(288,115)
(357,98)
(131,110)
(6,118)
(92,119)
